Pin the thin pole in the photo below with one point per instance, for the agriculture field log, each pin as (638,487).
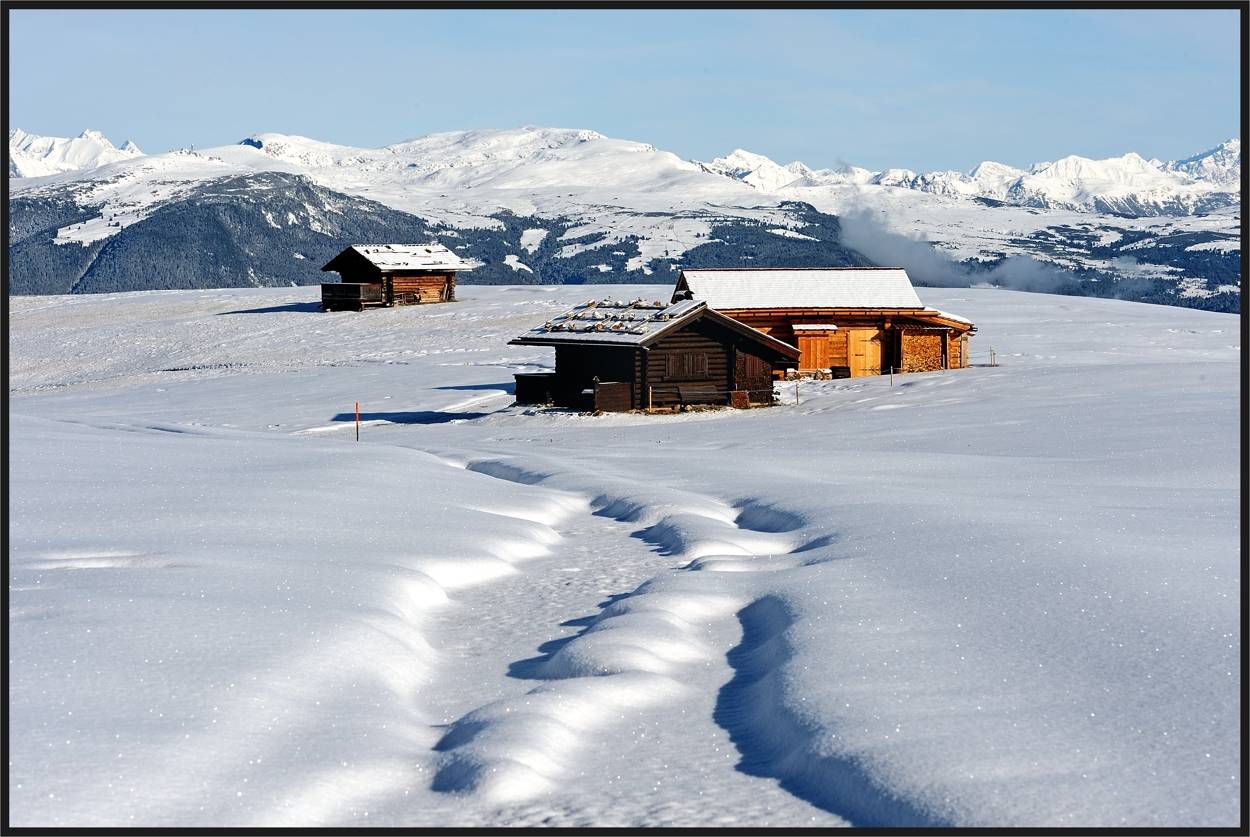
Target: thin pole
(891,376)
(357,421)
(796,392)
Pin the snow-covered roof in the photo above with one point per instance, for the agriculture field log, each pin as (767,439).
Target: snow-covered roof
(609,321)
(947,316)
(391,257)
(635,322)
(839,287)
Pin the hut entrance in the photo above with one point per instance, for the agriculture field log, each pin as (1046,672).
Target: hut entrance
(864,351)
(814,344)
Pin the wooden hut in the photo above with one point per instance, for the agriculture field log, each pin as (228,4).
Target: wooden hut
(382,275)
(846,321)
(618,355)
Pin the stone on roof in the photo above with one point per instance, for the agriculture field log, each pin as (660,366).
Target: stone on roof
(637,322)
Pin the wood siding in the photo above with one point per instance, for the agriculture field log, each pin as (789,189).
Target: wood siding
(614,398)
(689,367)
(865,342)
(864,351)
(417,288)
(339,296)
(704,360)
(411,287)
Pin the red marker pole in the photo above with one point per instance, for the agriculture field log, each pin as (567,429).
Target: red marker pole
(357,421)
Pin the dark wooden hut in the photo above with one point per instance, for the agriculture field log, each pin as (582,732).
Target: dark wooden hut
(846,321)
(382,275)
(617,355)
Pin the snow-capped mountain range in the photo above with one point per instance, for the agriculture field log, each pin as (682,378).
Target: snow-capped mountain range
(31,155)
(573,205)
(1126,185)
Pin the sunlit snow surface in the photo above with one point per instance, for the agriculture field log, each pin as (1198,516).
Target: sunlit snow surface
(1000,596)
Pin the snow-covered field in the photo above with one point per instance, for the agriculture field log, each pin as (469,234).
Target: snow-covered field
(999,596)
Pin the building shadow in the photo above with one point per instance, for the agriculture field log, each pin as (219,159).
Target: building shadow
(419,417)
(289,308)
(509,388)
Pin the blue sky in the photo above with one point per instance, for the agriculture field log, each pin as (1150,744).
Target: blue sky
(924,90)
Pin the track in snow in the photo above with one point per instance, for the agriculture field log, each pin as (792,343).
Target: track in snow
(635,650)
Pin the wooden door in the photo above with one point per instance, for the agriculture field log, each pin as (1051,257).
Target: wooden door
(863,351)
(815,349)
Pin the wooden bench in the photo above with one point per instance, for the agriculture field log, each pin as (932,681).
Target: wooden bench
(699,394)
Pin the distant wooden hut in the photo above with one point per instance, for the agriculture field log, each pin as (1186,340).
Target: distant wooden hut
(849,321)
(617,355)
(382,275)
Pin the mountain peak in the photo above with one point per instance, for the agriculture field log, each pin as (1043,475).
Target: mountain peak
(95,136)
(31,155)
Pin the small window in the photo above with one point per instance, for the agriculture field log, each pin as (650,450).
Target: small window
(685,365)
(696,364)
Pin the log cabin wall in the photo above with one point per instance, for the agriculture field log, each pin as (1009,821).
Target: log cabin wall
(689,366)
(416,288)
(862,344)
(694,355)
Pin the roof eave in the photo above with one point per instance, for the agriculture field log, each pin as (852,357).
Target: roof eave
(578,341)
(779,346)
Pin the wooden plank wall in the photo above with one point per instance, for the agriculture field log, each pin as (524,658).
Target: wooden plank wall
(339,296)
(866,343)
(614,398)
(412,289)
(670,366)
(864,351)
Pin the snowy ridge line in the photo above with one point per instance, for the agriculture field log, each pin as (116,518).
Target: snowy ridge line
(302,675)
(749,534)
(512,750)
(630,658)
(633,654)
(777,742)
(385,647)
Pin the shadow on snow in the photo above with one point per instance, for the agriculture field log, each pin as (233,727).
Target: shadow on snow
(276,309)
(775,743)
(422,417)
